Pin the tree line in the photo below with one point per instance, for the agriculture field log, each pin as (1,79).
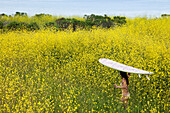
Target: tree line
(62,23)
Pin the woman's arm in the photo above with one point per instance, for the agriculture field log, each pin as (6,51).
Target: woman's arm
(122,87)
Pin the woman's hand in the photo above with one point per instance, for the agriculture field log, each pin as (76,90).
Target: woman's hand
(122,87)
(128,75)
(115,85)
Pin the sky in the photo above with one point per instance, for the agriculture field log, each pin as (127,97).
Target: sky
(128,8)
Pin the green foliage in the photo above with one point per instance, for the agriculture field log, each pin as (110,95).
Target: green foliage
(1,25)
(21,26)
(20,14)
(105,21)
(33,26)
(16,26)
(165,15)
(90,21)
(42,15)
(49,24)
(3,14)
(21,21)
(64,23)
(119,20)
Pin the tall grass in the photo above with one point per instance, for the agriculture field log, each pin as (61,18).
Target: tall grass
(46,71)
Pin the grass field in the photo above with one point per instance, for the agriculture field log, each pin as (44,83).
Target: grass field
(48,71)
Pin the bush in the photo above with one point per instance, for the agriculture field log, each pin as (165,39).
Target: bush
(3,14)
(16,25)
(20,14)
(1,25)
(50,24)
(64,23)
(21,26)
(104,21)
(90,21)
(33,26)
(119,20)
(20,21)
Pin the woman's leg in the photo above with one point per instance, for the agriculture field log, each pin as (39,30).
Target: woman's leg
(125,101)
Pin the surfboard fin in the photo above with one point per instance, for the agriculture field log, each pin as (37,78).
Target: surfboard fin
(139,75)
(147,77)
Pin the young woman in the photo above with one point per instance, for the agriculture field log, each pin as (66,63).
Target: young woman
(124,88)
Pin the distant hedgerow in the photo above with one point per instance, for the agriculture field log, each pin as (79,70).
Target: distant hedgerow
(22,26)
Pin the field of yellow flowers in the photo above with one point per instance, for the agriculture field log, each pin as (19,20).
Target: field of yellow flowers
(49,71)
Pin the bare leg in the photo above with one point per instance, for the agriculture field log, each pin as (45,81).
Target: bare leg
(125,102)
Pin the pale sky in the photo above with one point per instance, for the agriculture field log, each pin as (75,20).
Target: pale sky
(129,8)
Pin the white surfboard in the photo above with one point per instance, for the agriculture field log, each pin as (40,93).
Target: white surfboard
(122,67)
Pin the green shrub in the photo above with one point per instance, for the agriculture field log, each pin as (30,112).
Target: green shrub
(1,25)
(49,24)
(33,26)
(16,25)
(21,26)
